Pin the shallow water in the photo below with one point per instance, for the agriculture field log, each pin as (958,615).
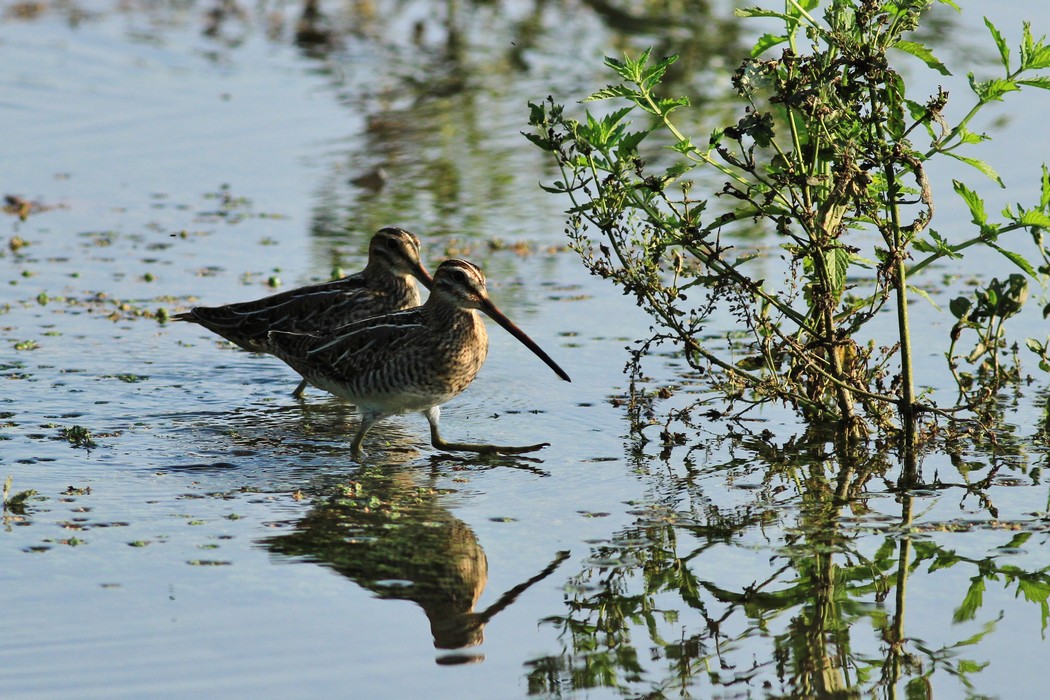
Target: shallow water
(217,538)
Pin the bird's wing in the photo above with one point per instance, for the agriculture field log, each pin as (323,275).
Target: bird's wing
(352,348)
(296,310)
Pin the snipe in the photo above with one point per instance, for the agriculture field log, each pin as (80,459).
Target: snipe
(385,285)
(412,360)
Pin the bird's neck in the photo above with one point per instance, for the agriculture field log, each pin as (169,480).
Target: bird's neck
(455,319)
(378,276)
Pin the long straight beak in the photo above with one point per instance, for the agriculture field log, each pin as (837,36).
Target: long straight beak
(496,315)
(421,274)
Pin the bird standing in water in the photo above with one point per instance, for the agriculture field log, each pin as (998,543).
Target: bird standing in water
(412,360)
(385,285)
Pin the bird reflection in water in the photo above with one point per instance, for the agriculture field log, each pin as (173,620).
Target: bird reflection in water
(395,537)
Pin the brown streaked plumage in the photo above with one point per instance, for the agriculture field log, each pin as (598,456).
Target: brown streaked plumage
(412,360)
(385,285)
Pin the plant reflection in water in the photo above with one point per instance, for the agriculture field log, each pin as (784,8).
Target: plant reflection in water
(825,616)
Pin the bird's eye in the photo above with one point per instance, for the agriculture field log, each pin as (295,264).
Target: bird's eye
(392,243)
(459,277)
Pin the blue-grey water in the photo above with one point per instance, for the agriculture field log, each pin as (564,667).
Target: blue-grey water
(216,539)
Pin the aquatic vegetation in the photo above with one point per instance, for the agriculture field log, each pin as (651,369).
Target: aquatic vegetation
(78,436)
(829,154)
(15,503)
(646,613)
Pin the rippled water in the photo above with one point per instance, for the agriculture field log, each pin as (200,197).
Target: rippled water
(214,536)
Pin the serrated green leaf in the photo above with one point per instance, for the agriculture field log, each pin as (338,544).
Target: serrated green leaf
(605,132)
(1016,541)
(970,137)
(1034,591)
(970,667)
(642,59)
(941,246)
(923,550)
(837,262)
(630,140)
(976,638)
(1034,218)
(922,53)
(683,146)
(677,170)
(1000,43)
(668,105)
(610,120)
(992,90)
(654,74)
(923,246)
(629,69)
(1042,82)
(1026,43)
(1035,55)
(917,689)
(925,295)
(541,141)
(895,107)
(973,202)
(944,559)
(1017,259)
(972,602)
(980,165)
(611,91)
(580,162)
(621,68)
(917,110)
(592,128)
(1044,197)
(766,42)
(759,12)
(537,114)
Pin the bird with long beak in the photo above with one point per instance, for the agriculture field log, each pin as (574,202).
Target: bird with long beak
(412,360)
(386,284)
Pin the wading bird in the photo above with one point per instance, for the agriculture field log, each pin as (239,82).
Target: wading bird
(385,285)
(412,360)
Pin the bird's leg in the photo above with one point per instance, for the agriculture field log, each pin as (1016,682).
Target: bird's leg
(434,415)
(368,419)
(298,393)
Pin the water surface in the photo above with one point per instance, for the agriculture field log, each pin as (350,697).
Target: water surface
(210,535)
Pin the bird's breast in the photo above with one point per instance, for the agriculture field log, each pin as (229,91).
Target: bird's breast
(419,370)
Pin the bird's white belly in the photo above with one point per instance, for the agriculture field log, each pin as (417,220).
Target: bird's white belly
(405,400)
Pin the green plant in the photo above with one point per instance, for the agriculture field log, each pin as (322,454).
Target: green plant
(987,318)
(825,155)
(15,503)
(78,436)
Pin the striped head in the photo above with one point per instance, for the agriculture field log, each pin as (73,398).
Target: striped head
(397,251)
(462,284)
